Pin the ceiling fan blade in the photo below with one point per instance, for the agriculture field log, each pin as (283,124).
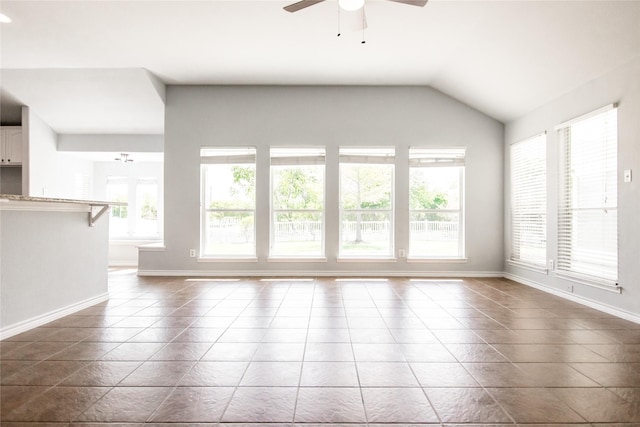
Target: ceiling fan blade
(301,5)
(419,3)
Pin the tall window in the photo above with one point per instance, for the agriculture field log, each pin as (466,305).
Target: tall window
(81,186)
(147,207)
(529,201)
(228,202)
(366,202)
(297,202)
(436,198)
(118,191)
(588,214)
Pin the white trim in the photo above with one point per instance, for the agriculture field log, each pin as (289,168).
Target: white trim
(528,138)
(575,298)
(123,263)
(419,260)
(228,259)
(137,242)
(360,259)
(152,247)
(34,322)
(527,266)
(318,273)
(586,116)
(605,285)
(300,259)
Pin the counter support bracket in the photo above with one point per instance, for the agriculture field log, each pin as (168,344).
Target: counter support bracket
(94,217)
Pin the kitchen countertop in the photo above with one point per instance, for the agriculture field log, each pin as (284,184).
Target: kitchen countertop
(17,198)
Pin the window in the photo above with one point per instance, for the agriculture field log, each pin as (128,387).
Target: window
(436,195)
(529,201)
(81,186)
(297,202)
(147,207)
(118,191)
(587,214)
(228,202)
(366,202)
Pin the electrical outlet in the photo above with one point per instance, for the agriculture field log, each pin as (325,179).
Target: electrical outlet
(401,253)
(192,253)
(551,264)
(627,175)
(569,288)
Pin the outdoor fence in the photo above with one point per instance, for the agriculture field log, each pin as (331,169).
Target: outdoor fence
(236,230)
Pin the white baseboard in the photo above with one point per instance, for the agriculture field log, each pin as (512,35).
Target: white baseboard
(123,263)
(317,273)
(34,322)
(575,298)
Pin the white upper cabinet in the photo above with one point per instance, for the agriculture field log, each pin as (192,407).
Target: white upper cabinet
(10,145)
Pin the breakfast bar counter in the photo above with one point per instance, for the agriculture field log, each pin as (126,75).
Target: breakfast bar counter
(53,259)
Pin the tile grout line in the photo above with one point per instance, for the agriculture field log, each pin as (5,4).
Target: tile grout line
(404,357)
(236,387)
(304,352)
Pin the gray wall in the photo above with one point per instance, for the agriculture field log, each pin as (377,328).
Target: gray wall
(621,85)
(49,261)
(199,116)
(111,143)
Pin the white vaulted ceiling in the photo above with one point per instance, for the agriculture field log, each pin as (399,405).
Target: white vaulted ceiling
(98,66)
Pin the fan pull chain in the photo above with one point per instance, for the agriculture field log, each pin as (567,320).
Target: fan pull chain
(339,32)
(363,25)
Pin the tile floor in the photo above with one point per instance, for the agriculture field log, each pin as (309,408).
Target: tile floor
(439,352)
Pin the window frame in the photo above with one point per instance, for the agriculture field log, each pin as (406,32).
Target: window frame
(437,158)
(138,217)
(119,180)
(292,160)
(349,155)
(567,199)
(242,157)
(519,181)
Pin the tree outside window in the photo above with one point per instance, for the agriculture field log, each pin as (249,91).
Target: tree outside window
(366,202)
(297,202)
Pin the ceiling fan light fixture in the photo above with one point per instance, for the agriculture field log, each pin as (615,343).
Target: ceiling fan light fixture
(350,5)
(124,158)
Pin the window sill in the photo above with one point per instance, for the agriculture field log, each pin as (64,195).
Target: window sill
(227,259)
(152,247)
(377,259)
(418,260)
(604,285)
(135,240)
(297,259)
(527,266)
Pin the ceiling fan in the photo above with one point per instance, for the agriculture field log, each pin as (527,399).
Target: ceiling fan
(124,158)
(347,5)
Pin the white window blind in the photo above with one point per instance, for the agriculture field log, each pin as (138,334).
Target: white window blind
(587,211)
(529,201)
(81,188)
